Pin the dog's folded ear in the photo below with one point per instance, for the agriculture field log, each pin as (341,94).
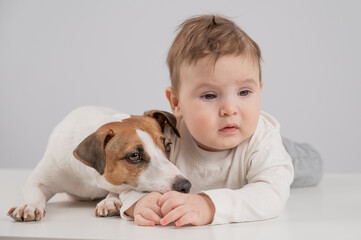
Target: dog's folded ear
(91,151)
(164,118)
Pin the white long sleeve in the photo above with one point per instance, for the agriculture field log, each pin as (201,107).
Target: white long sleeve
(128,198)
(269,177)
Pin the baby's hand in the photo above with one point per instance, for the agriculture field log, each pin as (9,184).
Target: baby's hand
(195,209)
(146,210)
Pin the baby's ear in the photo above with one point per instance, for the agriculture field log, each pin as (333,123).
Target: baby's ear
(172,97)
(164,119)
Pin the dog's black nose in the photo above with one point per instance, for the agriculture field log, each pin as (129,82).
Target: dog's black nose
(182,185)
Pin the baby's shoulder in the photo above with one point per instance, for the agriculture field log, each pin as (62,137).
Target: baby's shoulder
(268,130)
(267,122)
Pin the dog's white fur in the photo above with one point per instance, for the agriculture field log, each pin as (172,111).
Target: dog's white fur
(59,171)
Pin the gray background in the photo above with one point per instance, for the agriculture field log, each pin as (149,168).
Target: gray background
(58,55)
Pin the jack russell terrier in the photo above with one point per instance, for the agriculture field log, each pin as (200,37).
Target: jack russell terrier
(113,152)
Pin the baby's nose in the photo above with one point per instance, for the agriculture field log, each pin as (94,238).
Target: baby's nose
(228,109)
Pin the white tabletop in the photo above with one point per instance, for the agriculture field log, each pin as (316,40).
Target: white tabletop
(331,210)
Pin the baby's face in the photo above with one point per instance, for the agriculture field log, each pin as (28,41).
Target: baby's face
(220,103)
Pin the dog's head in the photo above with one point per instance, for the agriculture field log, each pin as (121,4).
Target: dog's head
(135,152)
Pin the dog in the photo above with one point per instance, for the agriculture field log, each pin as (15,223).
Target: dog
(96,152)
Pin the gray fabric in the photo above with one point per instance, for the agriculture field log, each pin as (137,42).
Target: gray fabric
(307,163)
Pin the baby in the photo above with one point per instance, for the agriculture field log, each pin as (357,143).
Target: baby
(229,149)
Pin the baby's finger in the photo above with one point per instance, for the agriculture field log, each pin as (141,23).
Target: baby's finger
(150,215)
(167,196)
(171,204)
(158,211)
(188,218)
(172,216)
(141,221)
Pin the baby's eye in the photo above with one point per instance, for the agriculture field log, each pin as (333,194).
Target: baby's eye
(209,96)
(244,93)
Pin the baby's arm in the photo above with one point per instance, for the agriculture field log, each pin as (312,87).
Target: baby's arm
(269,176)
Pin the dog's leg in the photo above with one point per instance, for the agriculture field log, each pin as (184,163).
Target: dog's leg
(36,192)
(33,208)
(109,206)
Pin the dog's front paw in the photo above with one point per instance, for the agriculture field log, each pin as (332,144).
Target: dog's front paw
(26,213)
(108,207)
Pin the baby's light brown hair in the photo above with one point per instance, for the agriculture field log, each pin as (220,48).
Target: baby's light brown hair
(208,35)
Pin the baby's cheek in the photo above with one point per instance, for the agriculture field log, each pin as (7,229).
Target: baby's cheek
(202,126)
(253,121)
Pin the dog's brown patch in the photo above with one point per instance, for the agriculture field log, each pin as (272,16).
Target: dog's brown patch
(117,169)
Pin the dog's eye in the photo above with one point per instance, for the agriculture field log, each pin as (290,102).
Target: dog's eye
(134,157)
(167,145)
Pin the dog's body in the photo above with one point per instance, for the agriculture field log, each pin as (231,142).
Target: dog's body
(95,151)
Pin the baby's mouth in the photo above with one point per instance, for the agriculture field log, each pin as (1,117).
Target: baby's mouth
(229,129)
